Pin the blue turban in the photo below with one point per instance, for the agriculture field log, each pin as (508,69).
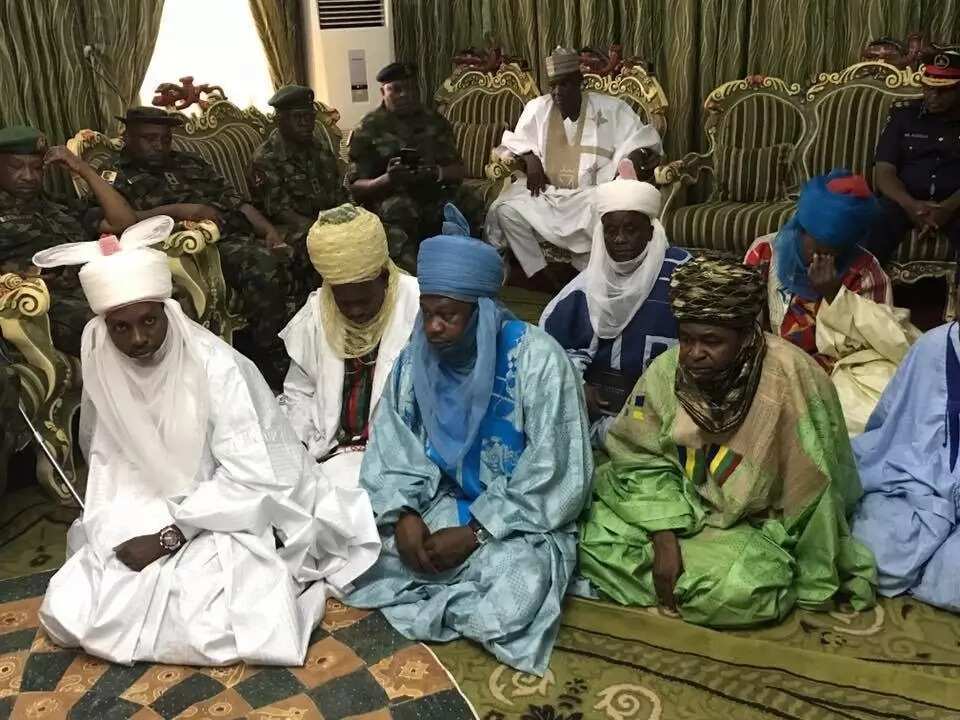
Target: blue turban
(456,265)
(837,210)
(453,384)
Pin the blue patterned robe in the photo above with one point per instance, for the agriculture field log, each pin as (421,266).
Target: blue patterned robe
(526,480)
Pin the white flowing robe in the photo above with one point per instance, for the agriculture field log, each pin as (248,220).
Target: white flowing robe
(313,389)
(229,593)
(564,216)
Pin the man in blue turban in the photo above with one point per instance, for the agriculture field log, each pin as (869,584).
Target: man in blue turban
(478,466)
(830,297)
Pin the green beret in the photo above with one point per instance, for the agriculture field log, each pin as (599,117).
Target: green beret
(22,140)
(396,71)
(292,96)
(151,116)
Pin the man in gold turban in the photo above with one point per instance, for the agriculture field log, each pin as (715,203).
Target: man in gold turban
(731,477)
(343,342)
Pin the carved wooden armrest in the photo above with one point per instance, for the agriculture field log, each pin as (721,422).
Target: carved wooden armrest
(191,237)
(502,165)
(23,295)
(686,171)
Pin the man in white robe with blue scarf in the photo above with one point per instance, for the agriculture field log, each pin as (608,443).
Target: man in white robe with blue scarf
(478,466)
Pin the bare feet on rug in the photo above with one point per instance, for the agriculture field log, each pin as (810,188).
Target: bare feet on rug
(667,566)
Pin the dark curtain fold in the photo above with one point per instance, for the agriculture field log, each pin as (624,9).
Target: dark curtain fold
(694,45)
(279,26)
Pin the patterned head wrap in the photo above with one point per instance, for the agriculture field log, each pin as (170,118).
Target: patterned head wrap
(347,245)
(716,291)
(562,61)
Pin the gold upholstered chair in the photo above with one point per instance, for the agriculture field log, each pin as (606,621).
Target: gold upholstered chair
(481,99)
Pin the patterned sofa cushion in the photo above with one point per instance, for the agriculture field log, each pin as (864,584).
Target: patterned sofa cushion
(913,249)
(475,141)
(753,174)
(229,151)
(728,227)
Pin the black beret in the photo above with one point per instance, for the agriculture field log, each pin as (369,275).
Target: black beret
(291,96)
(152,116)
(396,71)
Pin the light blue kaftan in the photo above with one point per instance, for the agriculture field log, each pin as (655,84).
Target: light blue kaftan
(526,479)
(908,462)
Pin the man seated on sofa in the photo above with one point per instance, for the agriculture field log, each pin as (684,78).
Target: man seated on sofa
(730,476)
(158,180)
(293,176)
(30,221)
(404,164)
(569,142)
(918,161)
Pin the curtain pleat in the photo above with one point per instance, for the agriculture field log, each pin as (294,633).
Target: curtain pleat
(278,25)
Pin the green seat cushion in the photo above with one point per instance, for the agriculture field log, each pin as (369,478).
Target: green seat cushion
(475,141)
(728,227)
(753,174)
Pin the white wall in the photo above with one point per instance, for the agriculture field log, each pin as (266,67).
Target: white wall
(328,68)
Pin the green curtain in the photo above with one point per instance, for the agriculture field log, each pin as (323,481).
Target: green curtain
(279,27)
(694,45)
(48,81)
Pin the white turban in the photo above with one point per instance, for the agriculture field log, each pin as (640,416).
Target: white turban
(616,290)
(625,194)
(118,272)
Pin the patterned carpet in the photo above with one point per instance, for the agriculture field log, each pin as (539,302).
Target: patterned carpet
(357,667)
(900,660)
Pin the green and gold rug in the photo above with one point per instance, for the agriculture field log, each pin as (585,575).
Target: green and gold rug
(357,667)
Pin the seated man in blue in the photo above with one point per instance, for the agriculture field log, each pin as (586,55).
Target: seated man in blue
(614,318)
(909,468)
(478,466)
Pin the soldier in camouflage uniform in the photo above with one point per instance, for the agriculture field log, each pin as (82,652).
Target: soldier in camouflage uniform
(406,189)
(31,221)
(293,176)
(158,180)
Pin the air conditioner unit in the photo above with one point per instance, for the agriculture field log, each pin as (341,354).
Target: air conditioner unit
(347,42)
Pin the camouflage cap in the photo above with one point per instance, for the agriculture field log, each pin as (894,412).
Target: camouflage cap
(151,116)
(291,96)
(396,71)
(22,140)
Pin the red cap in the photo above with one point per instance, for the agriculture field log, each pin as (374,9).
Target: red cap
(855,185)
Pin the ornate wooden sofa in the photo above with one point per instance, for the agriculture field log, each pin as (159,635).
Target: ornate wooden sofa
(224,135)
(766,137)
(480,104)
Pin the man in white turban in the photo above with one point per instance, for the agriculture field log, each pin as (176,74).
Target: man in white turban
(344,341)
(208,535)
(614,318)
(568,142)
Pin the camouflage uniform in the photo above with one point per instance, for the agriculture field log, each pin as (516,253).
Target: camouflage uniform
(415,212)
(27,226)
(284,178)
(247,263)
(12,426)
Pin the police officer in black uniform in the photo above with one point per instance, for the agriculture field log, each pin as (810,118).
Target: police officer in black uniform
(918,161)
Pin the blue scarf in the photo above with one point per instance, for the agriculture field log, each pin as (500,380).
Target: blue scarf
(453,384)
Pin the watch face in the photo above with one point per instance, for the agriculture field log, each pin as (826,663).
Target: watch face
(170,539)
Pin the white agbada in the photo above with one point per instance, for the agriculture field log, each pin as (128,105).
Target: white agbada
(313,389)
(576,160)
(192,436)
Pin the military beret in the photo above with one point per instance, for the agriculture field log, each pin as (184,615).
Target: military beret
(151,115)
(291,96)
(396,71)
(22,140)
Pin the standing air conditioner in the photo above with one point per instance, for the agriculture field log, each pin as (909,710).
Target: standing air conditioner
(347,42)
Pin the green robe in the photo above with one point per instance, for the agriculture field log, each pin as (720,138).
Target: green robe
(760,511)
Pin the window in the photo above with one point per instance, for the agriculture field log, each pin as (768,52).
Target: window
(216,42)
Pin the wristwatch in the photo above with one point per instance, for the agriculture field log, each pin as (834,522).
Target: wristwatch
(171,539)
(479,532)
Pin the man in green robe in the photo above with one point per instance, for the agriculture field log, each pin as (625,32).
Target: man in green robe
(730,477)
